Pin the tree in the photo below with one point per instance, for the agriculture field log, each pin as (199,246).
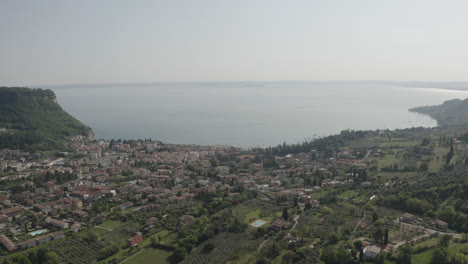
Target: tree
(439,256)
(423,166)
(449,155)
(405,256)
(357,244)
(285,214)
(51,258)
(333,238)
(444,241)
(208,247)
(92,237)
(378,235)
(460,258)
(375,217)
(20,259)
(179,254)
(425,142)
(288,257)
(386,237)
(380,258)
(271,250)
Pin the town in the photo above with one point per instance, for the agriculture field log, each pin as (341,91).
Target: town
(124,201)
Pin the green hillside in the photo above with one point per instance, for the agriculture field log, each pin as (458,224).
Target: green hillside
(31,119)
(452,113)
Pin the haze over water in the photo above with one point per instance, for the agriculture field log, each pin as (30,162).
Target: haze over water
(245,114)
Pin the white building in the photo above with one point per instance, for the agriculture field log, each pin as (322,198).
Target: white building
(370,252)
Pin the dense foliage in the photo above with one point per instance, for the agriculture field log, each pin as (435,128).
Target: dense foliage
(34,121)
(453,113)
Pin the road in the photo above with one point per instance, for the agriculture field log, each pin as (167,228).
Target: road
(105,228)
(295,223)
(428,230)
(366,156)
(431,231)
(294,226)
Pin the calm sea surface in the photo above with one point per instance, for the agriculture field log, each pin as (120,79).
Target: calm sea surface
(245,114)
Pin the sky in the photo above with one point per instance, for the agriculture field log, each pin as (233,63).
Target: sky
(51,42)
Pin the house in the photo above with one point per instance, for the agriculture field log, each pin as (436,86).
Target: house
(57,235)
(28,243)
(440,224)
(43,239)
(80,214)
(125,206)
(362,225)
(135,240)
(370,252)
(186,219)
(13,211)
(56,223)
(151,221)
(3,165)
(150,207)
(3,218)
(407,218)
(7,244)
(278,225)
(315,203)
(75,228)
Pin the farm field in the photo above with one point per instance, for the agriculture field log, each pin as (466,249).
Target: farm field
(149,255)
(111,224)
(229,246)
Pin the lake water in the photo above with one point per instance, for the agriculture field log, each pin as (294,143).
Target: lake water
(245,114)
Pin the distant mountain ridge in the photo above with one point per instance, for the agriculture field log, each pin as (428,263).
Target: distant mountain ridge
(31,119)
(458,86)
(452,113)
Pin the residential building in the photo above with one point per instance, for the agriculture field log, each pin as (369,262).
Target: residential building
(370,252)
(135,240)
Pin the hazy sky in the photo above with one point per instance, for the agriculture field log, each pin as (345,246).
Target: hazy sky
(63,42)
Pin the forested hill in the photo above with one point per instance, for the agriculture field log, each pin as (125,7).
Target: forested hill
(453,113)
(31,119)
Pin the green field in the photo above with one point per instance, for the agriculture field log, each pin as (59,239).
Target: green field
(149,255)
(425,257)
(111,224)
(99,231)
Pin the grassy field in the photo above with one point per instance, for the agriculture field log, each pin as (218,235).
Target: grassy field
(165,235)
(424,257)
(149,255)
(348,194)
(387,160)
(257,209)
(252,214)
(99,231)
(111,224)
(395,143)
(438,159)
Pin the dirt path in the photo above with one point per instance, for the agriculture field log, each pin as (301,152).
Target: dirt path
(295,223)
(366,156)
(129,257)
(261,245)
(105,228)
